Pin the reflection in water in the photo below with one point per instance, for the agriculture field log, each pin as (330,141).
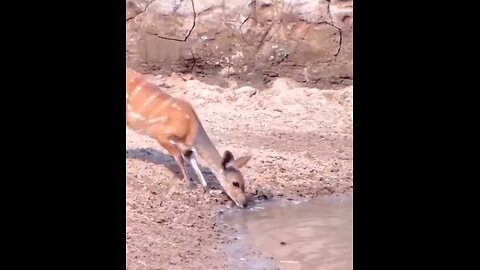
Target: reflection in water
(310,235)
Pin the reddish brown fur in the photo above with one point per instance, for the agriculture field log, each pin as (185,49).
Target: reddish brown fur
(177,123)
(176,127)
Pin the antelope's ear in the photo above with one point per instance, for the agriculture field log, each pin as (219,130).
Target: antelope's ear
(227,158)
(240,162)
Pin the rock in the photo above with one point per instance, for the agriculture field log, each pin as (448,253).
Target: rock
(245,91)
(282,84)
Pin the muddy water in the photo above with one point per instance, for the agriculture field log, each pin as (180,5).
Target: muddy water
(294,235)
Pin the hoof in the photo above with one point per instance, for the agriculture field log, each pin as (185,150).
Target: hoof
(172,191)
(215,192)
(189,185)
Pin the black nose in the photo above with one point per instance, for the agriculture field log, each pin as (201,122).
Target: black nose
(245,204)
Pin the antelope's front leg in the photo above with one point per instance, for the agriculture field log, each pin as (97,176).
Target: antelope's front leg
(192,157)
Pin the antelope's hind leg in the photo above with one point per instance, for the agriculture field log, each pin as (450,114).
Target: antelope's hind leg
(176,153)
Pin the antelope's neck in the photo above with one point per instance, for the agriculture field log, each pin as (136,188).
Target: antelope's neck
(207,151)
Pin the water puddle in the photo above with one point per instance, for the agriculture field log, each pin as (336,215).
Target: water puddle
(316,234)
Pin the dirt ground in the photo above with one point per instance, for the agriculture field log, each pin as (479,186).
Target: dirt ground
(301,142)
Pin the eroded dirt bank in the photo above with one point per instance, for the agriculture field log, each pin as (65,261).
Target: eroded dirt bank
(251,41)
(302,146)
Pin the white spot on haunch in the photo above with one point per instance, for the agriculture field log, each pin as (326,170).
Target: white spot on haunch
(136,115)
(175,105)
(164,103)
(150,99)
(138,88)
(157,120)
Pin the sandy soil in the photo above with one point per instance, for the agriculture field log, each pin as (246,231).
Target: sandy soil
(301,142)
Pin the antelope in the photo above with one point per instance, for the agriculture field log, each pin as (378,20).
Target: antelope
(174,124)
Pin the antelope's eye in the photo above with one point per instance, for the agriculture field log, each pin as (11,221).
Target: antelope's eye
(236,184)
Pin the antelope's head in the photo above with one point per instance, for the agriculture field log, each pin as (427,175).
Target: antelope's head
(234,183)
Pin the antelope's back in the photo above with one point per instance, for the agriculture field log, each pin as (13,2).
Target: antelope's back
(145,100)
(154,113)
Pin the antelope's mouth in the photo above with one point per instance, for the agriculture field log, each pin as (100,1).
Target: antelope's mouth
(237,203)
(244,205)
